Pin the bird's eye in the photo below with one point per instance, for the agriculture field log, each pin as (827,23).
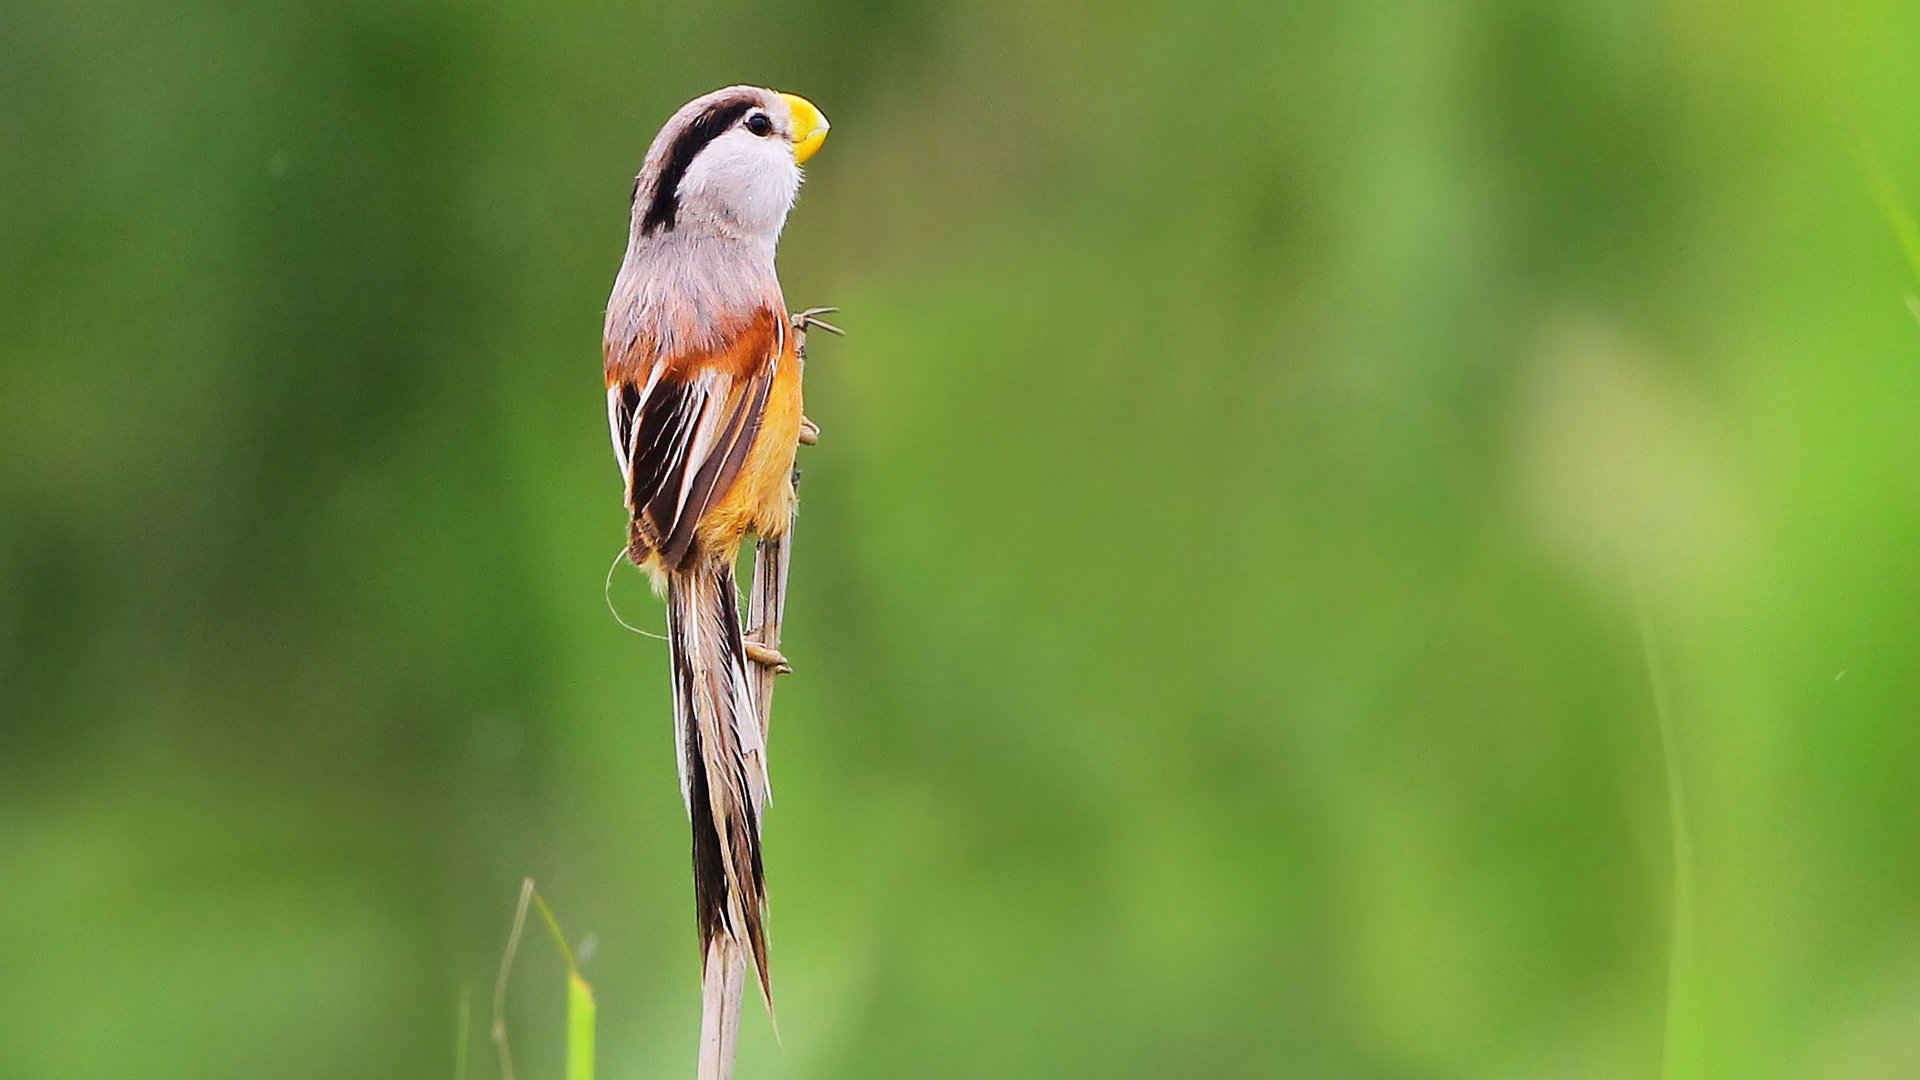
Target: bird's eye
(760,125)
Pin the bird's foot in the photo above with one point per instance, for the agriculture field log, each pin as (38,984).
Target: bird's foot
(770,656)
(805,320)
(809,432)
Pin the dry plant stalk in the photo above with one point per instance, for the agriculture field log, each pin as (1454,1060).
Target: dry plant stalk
(725,976)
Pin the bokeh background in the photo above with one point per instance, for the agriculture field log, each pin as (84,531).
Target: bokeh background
(1350,540)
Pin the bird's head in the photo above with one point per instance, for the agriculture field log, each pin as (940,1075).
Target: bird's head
(728,163)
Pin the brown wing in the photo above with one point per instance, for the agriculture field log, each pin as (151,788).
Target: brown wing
(682,433)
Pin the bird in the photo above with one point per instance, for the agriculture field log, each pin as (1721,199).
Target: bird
(704,405)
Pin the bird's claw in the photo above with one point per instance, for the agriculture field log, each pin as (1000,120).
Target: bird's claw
(804,320)
(770,656)
(809,432)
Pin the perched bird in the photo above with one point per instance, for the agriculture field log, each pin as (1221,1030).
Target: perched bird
(703,399)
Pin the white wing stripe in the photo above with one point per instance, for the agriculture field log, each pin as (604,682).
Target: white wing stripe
(621,454)
(633,432)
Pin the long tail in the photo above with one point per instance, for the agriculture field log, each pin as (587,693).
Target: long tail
(723,759)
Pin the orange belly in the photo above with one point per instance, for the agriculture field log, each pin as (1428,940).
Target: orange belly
(761,498)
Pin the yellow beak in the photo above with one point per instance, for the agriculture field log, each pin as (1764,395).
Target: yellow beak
(809,126)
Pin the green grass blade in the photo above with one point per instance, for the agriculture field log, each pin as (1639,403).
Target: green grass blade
(1680,1056)
(580,1006)
(580,1011)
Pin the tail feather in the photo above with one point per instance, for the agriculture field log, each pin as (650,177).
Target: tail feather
(723,768)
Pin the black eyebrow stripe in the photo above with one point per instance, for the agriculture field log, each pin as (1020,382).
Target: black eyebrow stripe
(705,128)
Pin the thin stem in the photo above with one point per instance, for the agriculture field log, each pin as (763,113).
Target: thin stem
(500,981)
(553,927)
(724,970)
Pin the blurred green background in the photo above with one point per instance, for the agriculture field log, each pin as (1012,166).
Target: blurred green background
(1312,496)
